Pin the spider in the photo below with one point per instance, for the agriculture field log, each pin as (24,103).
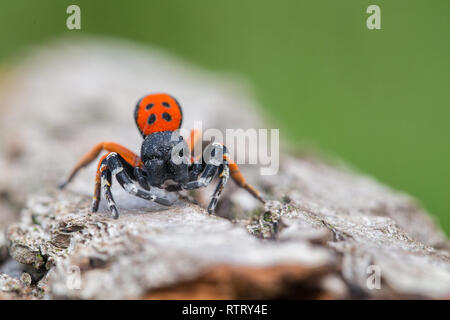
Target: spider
(158,118)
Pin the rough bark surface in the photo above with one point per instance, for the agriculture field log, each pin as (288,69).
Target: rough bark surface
(323,234)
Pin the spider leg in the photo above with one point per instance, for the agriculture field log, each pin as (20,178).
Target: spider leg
(141,178)
(127,154)
(237,176)
(106,181)
(228,168)
(223,175)
(116,165)
(208,174)
(225,169)
(192,141)
(103,180)
(101,167)
(195,169)
(204,180)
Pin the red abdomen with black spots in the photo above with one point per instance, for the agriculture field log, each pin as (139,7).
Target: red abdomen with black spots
(157,113)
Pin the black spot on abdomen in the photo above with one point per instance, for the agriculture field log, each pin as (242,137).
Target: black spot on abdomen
(151,119)
(167,116)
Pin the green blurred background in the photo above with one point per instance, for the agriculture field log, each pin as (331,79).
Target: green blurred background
(379,99)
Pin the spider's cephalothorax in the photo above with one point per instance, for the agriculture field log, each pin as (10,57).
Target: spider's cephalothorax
(158,118)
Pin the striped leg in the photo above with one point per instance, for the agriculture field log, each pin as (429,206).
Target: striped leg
(116,164)
(103,181)
(113,164)
(225,168)
(101,167)
(204,180)
(106,186)
(228,168)
(223,175)
(238,177)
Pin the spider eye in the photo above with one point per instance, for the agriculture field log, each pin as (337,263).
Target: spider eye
(166,104)
(151,119)
(149,106)
(167,117)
